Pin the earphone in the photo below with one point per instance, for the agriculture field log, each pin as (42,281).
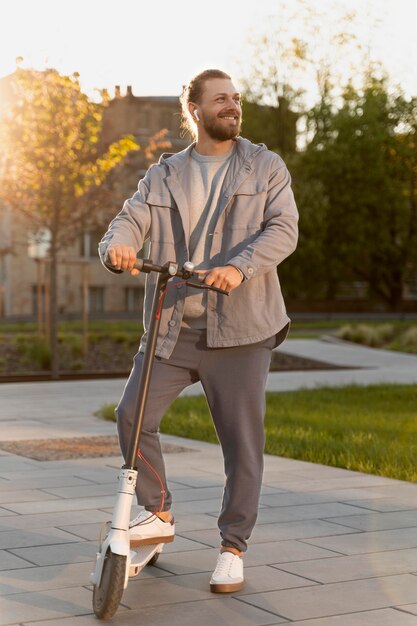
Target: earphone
(196,116)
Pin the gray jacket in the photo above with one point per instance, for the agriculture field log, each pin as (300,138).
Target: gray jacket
(256,229)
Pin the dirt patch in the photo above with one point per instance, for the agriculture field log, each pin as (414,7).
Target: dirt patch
(74,448)
(107,357)
(283,362)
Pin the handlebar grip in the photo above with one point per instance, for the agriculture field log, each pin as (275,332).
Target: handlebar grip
(198,282)
(226,293)
(145,265)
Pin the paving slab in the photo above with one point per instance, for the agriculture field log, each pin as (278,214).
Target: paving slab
(380,617)
(190,562)
(83,491)
(332,511)
(61,505)
(264,533)
(57,520)
(344,568)
(23,607)
(34,495)
(363,542)
(10,561)
(57,479)
(287,498)
(40,537)
(57,554)
(379,521)
(386,504)
(216,611)
(55,577)
(184,588)
(331,547)
(337,598)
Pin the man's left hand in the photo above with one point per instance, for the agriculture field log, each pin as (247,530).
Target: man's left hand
(225,277)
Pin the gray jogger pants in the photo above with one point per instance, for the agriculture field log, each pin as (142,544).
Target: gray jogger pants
(234,381)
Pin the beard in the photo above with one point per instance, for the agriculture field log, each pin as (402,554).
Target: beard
(218,130)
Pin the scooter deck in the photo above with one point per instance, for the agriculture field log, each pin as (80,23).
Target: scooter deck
(141,556)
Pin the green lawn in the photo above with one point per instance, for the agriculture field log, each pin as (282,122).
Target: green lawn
(368,429)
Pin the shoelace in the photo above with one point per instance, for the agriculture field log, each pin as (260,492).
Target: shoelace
(224,564)
(143,518)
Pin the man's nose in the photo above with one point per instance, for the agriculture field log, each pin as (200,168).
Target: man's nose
(234,106)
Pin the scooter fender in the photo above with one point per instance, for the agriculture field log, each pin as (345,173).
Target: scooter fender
(118,542)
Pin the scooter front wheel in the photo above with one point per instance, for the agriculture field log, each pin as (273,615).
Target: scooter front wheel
(108,592)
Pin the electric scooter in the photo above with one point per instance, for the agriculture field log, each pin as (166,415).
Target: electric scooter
(116,561)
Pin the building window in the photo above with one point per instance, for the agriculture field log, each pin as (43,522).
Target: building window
(89,243)
(145,119)
(133,299)
(96,299)
(165,119)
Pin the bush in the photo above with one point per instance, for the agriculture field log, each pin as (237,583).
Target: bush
(381,336)
(407,341)
(107,412)
(366,335)
(39,352)
(73,341)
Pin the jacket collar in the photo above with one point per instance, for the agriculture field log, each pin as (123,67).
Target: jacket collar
(239,169)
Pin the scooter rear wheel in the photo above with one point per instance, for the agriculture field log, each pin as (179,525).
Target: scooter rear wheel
(108,593)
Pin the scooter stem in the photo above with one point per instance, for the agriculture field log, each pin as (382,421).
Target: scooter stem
(145,377)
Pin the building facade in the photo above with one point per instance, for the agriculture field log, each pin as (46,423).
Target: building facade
(24,279)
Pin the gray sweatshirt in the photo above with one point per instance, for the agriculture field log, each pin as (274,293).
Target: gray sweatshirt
(203,185)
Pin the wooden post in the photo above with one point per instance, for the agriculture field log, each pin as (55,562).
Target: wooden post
(47,302)
(39,297)
(85,309)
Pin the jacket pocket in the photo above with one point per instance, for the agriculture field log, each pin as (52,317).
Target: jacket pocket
(158,198)
(166,225)
(246,210)
(250,188)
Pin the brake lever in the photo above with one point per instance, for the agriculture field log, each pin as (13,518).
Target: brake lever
(199,284)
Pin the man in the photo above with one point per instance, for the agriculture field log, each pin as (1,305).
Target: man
(226,205)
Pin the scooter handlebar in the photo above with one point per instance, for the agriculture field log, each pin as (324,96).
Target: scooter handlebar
(194,279)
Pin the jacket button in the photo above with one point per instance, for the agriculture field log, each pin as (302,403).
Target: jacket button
(171,323)
(250,270)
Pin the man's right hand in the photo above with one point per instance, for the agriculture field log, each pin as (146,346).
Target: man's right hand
(122,258)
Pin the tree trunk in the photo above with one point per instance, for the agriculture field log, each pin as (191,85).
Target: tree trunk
(53,303)
(53,310)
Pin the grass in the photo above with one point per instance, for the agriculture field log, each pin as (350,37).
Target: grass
(369,332)
(369,429)
(105,326)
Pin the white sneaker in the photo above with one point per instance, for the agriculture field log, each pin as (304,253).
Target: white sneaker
(147,529)
(228,575)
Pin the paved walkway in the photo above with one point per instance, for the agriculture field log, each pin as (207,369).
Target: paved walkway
(331,547)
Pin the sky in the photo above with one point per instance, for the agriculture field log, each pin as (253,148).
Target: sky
(158,46)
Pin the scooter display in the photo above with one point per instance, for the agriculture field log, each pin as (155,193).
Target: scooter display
(116,561)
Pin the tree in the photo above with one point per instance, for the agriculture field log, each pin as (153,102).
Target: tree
(301,55)
(53,172)
(364,157)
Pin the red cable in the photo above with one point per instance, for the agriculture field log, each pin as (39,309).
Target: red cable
(161,506)
(140,455)
(162,297)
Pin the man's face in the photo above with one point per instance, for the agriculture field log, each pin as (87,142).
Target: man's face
(221,112)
